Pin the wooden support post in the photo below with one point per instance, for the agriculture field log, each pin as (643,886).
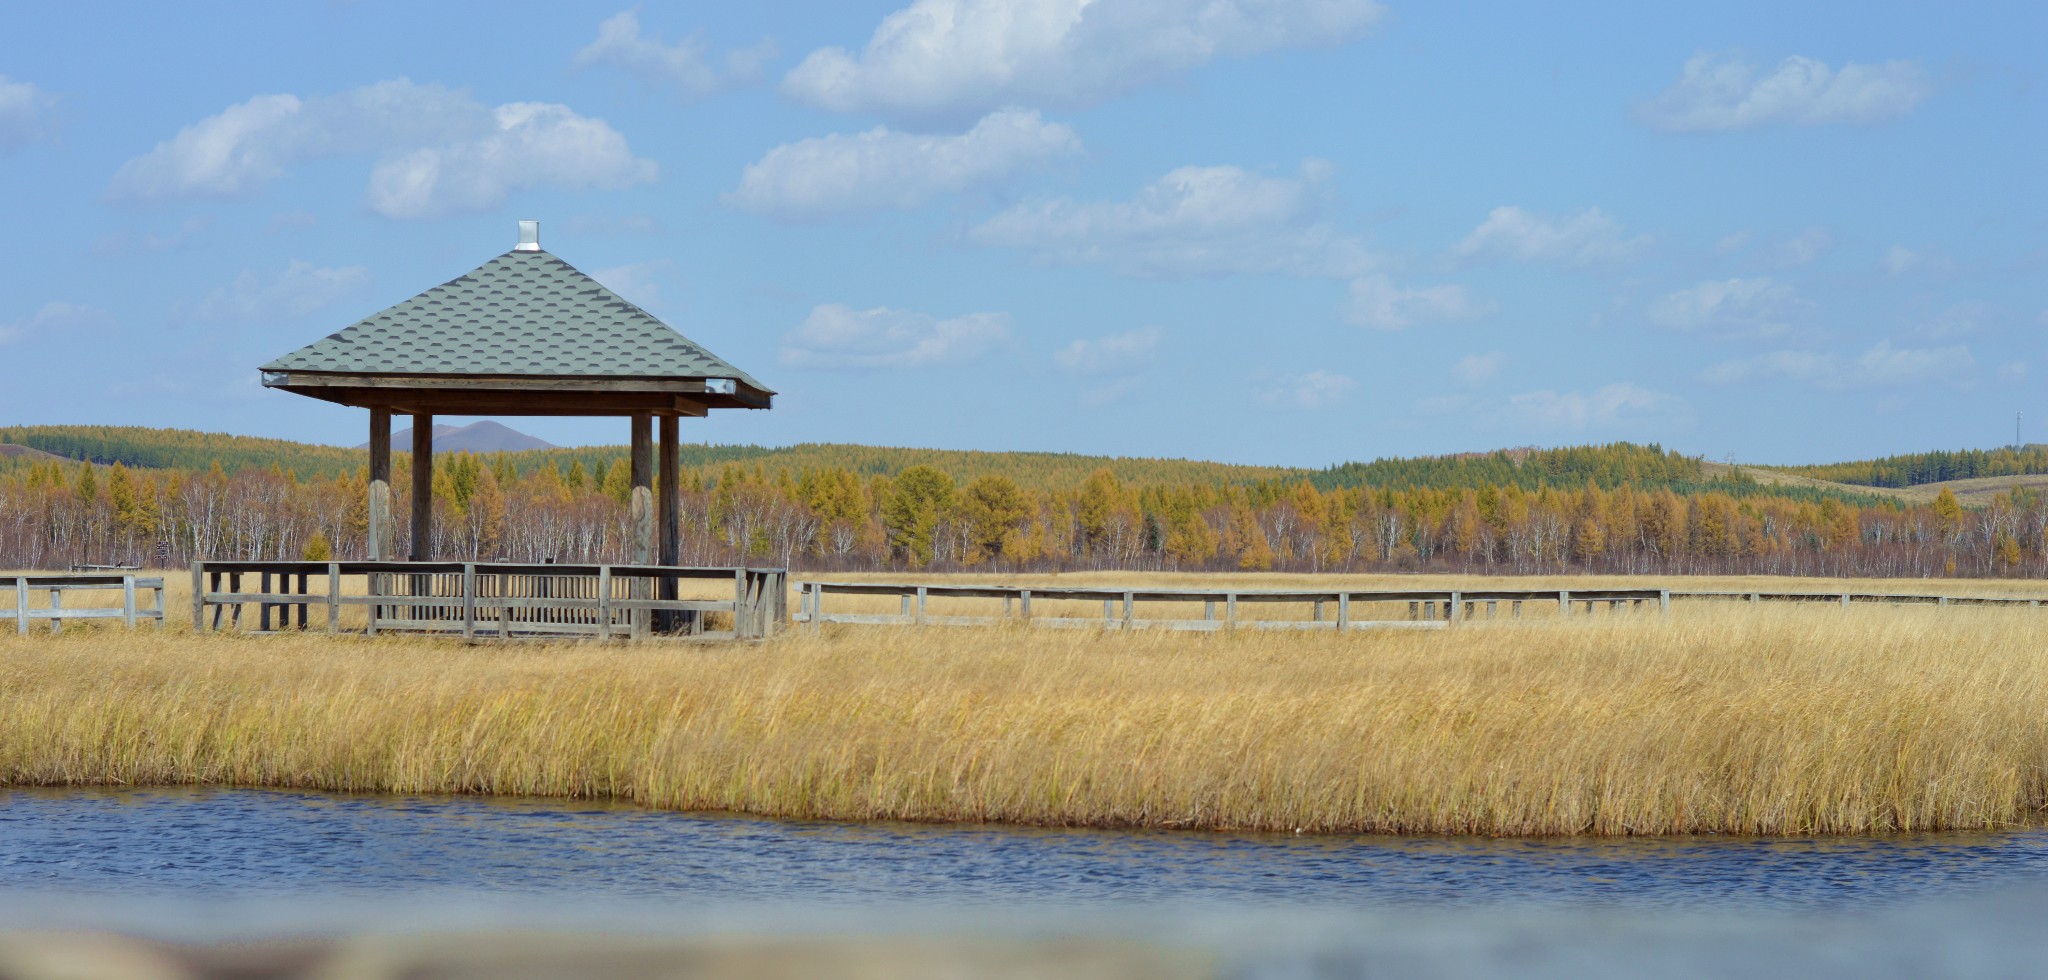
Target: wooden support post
(382,530)
(333,597)
(263,608)
(640,517)
(1515,609)
(1755,597)
(128,600)
(235,586)
(817,605)
(1130,604)
(1415,610)
(667,514)
(1492,608)
(1451,609)
(21,605)
(56,606)
(604,602)
(1209,610)
(198,597)
(1006,608)
(1664,602)
(1343,611)
(1564,604)
(468,601)
(1230,609)
(1024,604)
(422,488)
(213,585)
(920,605)
(1845,600)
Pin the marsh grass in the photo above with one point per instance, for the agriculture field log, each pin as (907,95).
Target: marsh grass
(1721,719)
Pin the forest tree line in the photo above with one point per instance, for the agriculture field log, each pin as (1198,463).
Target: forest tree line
(53,514)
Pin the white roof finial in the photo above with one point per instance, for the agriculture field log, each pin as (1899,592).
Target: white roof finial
(529,237)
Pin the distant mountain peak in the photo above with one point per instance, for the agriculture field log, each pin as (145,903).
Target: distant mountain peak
(477,437)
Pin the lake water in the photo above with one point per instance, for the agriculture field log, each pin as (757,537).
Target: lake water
(240,843)
(576,880)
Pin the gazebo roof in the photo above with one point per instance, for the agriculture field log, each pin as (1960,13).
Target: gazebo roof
(525,321)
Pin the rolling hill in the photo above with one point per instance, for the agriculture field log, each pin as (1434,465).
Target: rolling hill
(1648,467)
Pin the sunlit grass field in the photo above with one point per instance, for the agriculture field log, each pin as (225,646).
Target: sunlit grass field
(1717,718)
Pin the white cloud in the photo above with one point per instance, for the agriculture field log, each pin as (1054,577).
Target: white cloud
(1752,307)
(836,337)
(1724,92)
(439,149)
(1586,238)
(1604,406)
(1474,370)
(1899,260)
(1881,365)
(961,58)
(638,283)
(2012,371)
(535,144)
(127,241)
(299,289)
(1377,303)
(1734,241)
(1109,393)
(1201,221)
(22,106)
(882,168)
(682,66)
(1316,389)
(59,320)
(1804,247)
(1127,351)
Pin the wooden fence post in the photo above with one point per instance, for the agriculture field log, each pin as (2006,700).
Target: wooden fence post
(198,597)
(469,601)
(128,601)
(21,606)
(333,597)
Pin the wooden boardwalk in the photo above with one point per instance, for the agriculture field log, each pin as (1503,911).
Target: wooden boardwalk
(21,588)
(487,600)
(1327,609)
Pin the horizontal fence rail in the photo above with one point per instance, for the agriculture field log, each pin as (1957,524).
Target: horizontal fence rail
(1339,609)
(22,588)
(489,600)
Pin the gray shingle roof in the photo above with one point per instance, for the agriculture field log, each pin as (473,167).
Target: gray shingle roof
(522,313)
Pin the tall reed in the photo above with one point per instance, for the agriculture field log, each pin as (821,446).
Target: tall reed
(1716,719)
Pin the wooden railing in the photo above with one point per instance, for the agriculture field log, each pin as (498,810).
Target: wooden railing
(16,604)
(1341,609)
(1338,609)
(488,600)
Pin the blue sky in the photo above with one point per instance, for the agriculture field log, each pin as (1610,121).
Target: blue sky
(1271,231)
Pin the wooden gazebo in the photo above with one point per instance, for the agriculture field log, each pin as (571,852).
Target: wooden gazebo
(521,335)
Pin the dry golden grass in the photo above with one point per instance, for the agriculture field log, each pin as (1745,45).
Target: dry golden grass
(1780,720)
